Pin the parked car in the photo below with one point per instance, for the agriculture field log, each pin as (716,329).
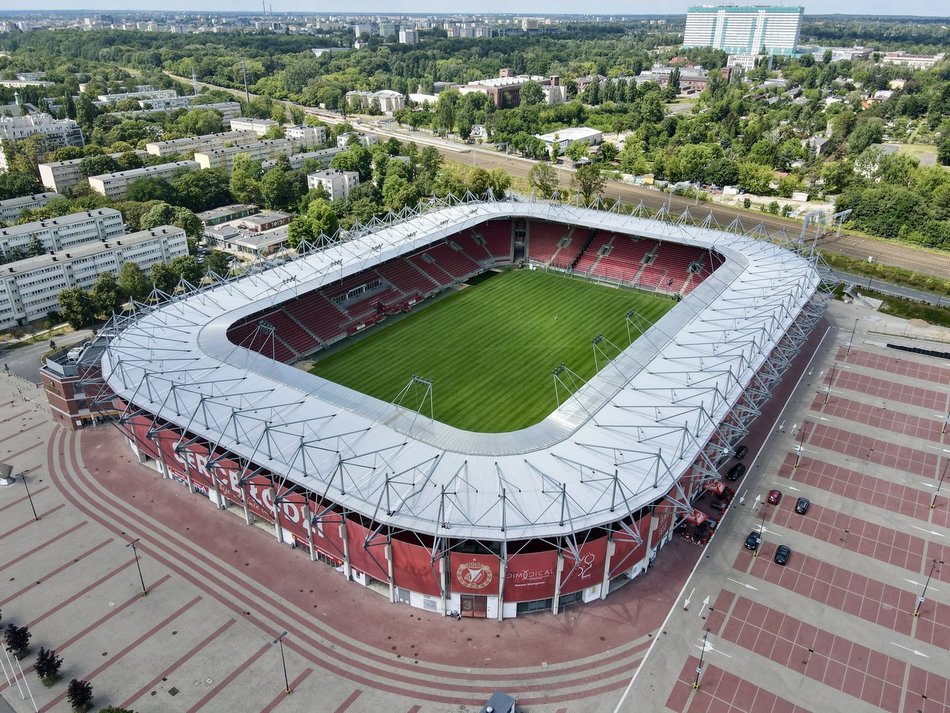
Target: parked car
(740,452)
(801,505)
(719,505)
(774,497)
(736,472)
(782,553)
(753,541)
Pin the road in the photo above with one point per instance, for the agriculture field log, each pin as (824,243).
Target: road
(934,264)
(25,361)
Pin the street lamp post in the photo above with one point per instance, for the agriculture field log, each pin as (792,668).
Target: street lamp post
(923,595)
(29,495)
(851,341)
(933,503)
(138,566)
(831,381)
(699,669)
(279,641)
(801,444)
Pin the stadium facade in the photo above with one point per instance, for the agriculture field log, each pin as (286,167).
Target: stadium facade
(488,524)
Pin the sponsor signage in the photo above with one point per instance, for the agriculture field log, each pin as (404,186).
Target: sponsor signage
(530,576)
(413,568)
(587,569)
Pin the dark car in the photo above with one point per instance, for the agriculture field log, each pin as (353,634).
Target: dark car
(801,505)
(740,452)
(753,541)
(782,553)
(719,505)
(736,472)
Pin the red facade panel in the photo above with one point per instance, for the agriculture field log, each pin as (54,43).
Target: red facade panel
(413,568)
(530,576)
(585,571)
(471,574)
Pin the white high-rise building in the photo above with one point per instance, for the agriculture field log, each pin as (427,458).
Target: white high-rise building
(744,30)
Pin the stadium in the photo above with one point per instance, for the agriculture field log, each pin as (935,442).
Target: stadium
(605,366)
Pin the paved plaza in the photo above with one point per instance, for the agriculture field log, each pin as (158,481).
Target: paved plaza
(862,436)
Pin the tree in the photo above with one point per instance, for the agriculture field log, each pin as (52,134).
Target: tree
(399,193)
(356,158)
(531,93)
(543,179)
(97,165)
(607,153)
(77,307)
(17,639)
(322,218)
(36,247)
(133,283)
(187,268)
(202,190)
(106,296)
(86,112)
(79,695)
(163,277)
(217,262)
(865,134)
(245,183)
(943,148)
(577,150)
(158,214)
(589,182)
(278,190)
(47,666)
(143,190)
(14,184)
(754,177)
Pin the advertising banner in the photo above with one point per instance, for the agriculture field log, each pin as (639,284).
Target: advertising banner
(587,570)
(530,576)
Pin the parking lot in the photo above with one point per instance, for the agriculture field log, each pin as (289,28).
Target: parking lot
(858,618)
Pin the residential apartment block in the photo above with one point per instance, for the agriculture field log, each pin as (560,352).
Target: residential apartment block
(745,30)
(228,110)
(11,208)
(115,185)
(63,233)
(307,135)
(56,132)
(29,289)
(145,93)
(297,160)
(60,176)
(335,182)
(224,157)
(258,126)
(197,144)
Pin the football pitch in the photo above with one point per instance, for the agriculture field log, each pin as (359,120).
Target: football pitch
(489,349)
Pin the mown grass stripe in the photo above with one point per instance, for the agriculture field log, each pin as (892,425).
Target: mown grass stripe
(490,349)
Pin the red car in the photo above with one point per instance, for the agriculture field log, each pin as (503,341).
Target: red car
(774,497)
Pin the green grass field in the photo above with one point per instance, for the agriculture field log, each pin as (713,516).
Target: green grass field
(489,349)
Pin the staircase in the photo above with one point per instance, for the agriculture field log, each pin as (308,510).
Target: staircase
(590,239)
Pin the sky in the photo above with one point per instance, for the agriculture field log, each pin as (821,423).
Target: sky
(932,8)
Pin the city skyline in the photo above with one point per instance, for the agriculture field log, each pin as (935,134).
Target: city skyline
(920,8)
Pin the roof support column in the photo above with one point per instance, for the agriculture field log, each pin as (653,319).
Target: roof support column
(555,603)
(502,573)
(605,582)
(389,569)
(347,569)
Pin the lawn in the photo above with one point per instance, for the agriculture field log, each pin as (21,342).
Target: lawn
(489,349)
